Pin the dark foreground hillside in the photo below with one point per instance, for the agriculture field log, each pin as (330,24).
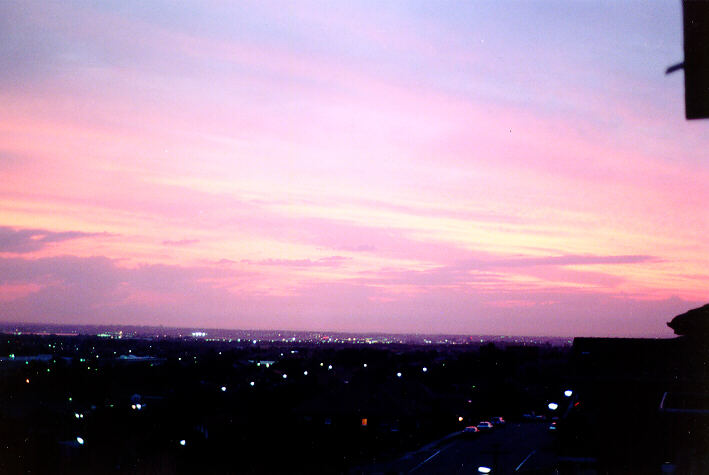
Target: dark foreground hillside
(74,404)
(96,405)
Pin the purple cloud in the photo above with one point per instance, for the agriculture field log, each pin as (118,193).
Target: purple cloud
(572,259)
(563,260)
(23,241)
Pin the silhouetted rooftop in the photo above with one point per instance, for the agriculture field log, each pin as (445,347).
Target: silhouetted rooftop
(694,323)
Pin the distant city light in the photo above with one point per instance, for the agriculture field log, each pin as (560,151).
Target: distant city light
(199,334)
(365,365)
(322,364)
(27,381)
(139,406)
(568,393)
(398,375)
(183,442)
(553,406)
(285,376)
(329,366)
(223,389)
(305,373)
(484,470)
(460,418)
(424,369)
(132,406)
(252,383)
(76,414)
(254,342)
(80,440)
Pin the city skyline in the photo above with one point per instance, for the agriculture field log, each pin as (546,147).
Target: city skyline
(517,168)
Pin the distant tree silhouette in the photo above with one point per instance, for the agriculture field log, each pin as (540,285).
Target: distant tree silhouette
(694,323)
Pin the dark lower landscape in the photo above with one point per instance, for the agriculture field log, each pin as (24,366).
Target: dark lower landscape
(167,404)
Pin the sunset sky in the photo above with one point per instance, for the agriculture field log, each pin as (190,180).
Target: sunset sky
(452,167)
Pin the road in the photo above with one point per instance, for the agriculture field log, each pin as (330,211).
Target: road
(513,448)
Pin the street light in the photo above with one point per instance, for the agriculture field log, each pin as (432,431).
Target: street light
(553,406)
(568,393)
(484,470)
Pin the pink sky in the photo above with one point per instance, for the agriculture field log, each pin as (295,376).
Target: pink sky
(474,167)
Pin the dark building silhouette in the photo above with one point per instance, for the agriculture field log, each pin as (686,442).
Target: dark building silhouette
(696,58)
(694,323)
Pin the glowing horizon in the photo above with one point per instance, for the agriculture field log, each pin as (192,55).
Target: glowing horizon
(522,168)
